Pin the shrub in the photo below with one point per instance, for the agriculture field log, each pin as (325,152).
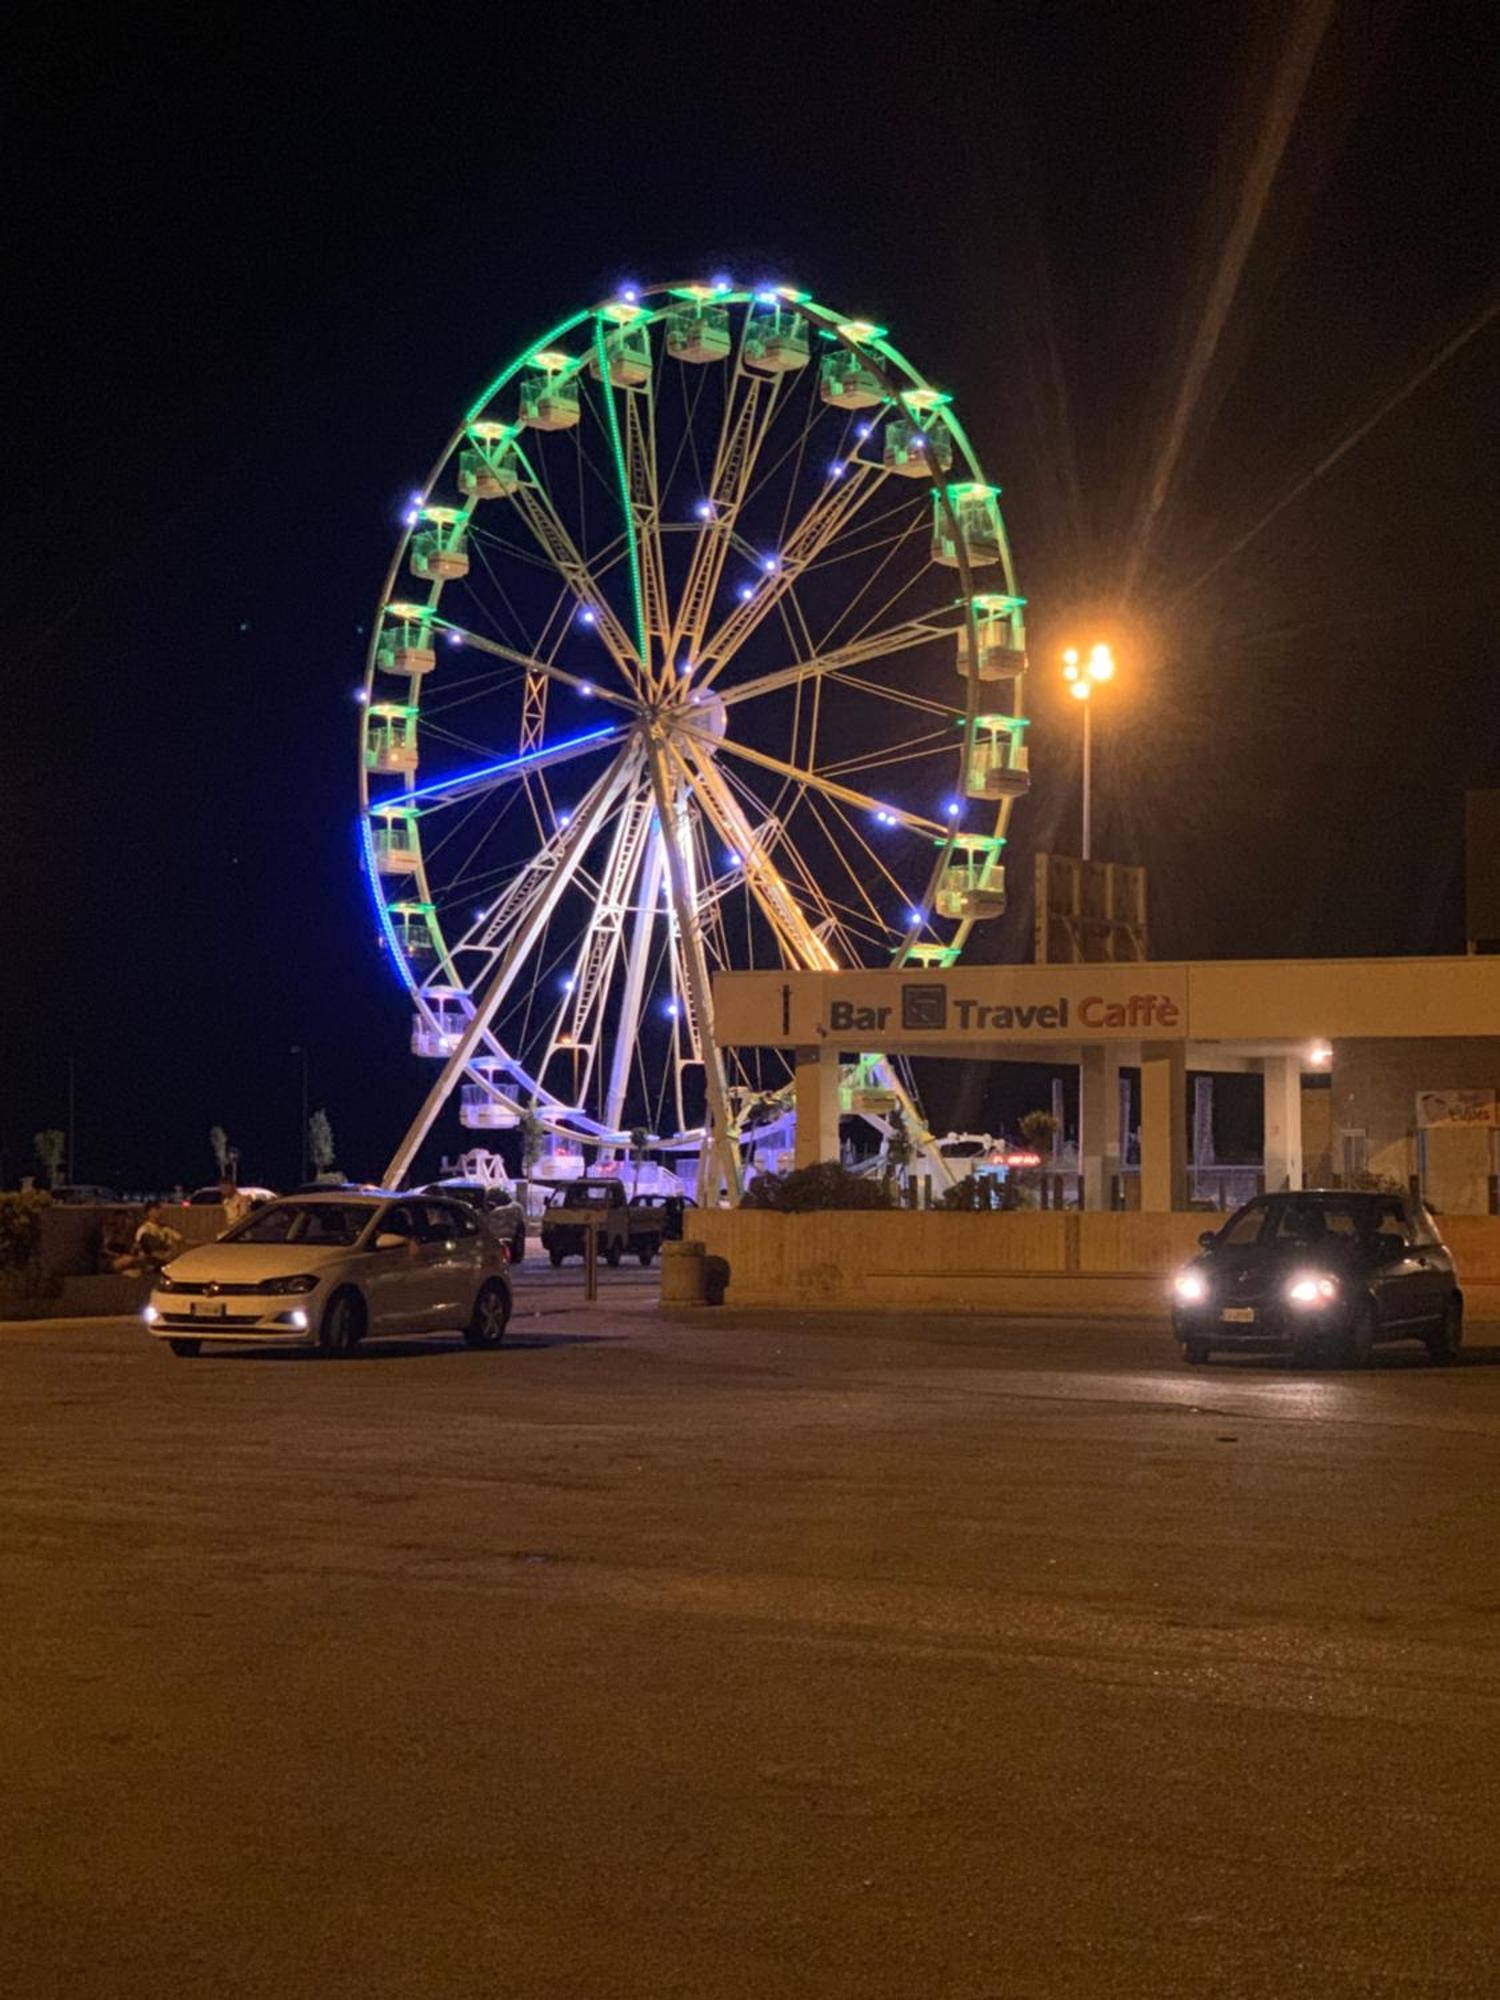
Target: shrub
(826,1185)
(21,1236)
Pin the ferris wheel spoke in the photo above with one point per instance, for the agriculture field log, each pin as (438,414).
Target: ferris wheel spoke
(535,505)
(782,911)
(597,954)
(856,653)
(718,1141)
(633,443)
(506,770)
(637,964)
(528,663)
(493,923)
(858,875)
(816,780)
(749,411)
(820,524)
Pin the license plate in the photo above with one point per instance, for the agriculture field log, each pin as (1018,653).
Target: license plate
(207,1308)
(1239,1315)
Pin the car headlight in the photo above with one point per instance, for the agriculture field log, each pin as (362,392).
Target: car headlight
(1312,1290)
(162,1283)
(1191,1287)
(301,1284)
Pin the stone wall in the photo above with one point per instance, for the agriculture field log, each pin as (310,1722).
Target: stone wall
(1068,1263)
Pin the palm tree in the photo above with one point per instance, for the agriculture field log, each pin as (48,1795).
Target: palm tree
(51,1147)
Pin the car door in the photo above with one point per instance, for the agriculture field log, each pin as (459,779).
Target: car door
(1399,1279)
(393,1286)
(1434,1264)
(446,1259)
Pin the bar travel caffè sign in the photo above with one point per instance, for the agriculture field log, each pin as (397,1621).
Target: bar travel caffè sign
(983,1004)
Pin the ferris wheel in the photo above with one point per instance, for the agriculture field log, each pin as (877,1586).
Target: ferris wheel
(701,649)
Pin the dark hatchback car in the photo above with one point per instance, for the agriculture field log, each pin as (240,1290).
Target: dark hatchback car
(1321,1275)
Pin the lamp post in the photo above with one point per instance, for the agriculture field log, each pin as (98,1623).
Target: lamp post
(1083,676)
(300,1051)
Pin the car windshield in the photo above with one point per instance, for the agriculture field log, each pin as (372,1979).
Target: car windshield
(583,1197)
(1308,1222)
(335,1223)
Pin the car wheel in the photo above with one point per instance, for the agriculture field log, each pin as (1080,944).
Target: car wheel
(185,1349)
(1195,1352)
(518,1247)
(343,1323)
(613,1255)
(557,1257)
(1359,1343)
(491,1315)
(1444,1342)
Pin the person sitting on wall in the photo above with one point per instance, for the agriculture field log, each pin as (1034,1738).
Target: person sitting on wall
(116,1240)
(155,1243)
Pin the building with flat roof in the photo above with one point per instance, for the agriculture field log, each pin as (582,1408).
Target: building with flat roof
(1410,1048)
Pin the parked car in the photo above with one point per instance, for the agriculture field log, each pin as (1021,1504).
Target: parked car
(330,1269)
(1321,1272)
(656,1219)
(497,1203)
(579,1206)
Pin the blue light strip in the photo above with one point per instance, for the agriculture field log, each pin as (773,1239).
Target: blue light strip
(528,760)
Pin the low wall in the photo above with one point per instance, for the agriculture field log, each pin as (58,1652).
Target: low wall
(1022,1261)
(73,1233)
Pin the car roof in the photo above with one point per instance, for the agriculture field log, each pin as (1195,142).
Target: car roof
(341,1197)
(1286,1195)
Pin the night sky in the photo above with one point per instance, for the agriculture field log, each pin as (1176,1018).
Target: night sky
(258,278)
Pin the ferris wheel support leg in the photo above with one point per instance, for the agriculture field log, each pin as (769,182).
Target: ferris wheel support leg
(635,984)
(720,1150)
(523,939)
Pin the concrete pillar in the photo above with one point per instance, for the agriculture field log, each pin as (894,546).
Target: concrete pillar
(817,1073)
(1282,1097)
(1163,1127)
(1101,1138)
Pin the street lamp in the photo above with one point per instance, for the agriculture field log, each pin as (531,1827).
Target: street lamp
(1083,676)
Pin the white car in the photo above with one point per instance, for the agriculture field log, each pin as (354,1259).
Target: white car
(328,1269)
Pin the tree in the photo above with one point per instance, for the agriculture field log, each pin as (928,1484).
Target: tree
(533,1139)
(218,1139)
(900,1150)
(320,1147)
(21,1237)
(51,1148)
(1038,1129)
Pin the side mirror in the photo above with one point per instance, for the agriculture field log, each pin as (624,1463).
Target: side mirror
(1390,1246)
(1207,1238)
(389,1240)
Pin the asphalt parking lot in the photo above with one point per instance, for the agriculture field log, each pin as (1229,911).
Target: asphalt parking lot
(733,1656)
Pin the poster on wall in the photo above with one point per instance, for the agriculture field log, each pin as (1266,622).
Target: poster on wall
(1437,1108)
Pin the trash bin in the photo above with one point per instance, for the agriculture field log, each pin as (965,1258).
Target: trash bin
(682,1274)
